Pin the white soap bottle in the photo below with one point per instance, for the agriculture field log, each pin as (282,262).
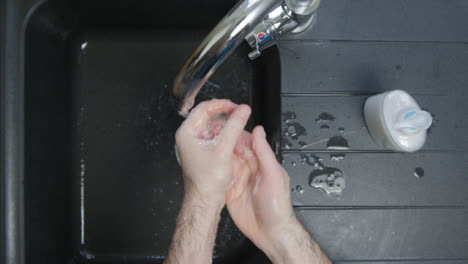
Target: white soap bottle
(396,122)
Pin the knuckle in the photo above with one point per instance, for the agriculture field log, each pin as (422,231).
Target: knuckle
(203,104)
(237,121)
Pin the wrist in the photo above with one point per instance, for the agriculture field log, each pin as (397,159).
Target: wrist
(195,230)
(208,204)
(211,199)
(289,245)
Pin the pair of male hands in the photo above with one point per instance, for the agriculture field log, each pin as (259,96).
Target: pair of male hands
(225,165)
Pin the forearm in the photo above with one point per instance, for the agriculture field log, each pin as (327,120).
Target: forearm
(295,245)
(195,232)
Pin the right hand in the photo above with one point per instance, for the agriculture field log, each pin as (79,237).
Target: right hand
(259,202)
(206,149)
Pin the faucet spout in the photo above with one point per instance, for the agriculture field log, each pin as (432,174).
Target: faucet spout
(260,22)
(218,45)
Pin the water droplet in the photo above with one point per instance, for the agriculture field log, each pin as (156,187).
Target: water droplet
(325,117)
(82,169)
(294,130)
(288,116)
(324,127)
(337,157)
(311,160)
(84,45)
(293,163)
(302,143)
(286,144)
(299,189)
(318,166)
(419,172)
(331,180)
(341,129)
(337,142)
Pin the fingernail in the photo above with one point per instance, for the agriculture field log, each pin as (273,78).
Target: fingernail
(263,133)
(245,112)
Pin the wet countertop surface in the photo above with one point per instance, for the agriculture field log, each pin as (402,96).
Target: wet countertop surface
(394,207)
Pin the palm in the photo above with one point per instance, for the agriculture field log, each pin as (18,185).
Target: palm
(258,201)
(241,204)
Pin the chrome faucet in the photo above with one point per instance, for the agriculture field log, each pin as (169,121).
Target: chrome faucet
(260,22)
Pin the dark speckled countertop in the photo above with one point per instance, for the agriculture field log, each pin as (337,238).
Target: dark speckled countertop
(357,49)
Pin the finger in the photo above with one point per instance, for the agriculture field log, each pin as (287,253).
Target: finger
(234,127)
(266,158)
(244,145)
(201,114)
(240,185)
(244,150)
(247,152)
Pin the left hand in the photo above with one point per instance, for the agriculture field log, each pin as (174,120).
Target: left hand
(206,144)
(260,202)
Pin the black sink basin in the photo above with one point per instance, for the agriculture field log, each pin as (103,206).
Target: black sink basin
(101,181)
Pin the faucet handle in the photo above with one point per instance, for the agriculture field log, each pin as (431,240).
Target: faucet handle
(254,54)
(260,38)
(278,22)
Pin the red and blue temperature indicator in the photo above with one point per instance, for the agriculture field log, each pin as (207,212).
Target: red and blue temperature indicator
(261,36)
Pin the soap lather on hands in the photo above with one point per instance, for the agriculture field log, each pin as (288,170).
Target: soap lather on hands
(222,165)
(206,147)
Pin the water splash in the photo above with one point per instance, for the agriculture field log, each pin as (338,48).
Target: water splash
(287,144)
(325,117)
(337,142)
(310,160)
(82,200)
(299,189)
(294,130)
(330,180)
(288,116)
(337,157)
(212,84)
